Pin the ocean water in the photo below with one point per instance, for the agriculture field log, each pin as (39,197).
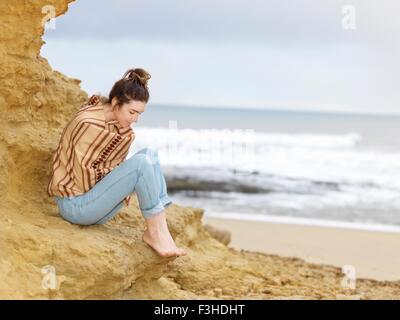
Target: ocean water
(299,167)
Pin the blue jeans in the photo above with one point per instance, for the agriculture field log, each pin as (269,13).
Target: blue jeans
(141,173)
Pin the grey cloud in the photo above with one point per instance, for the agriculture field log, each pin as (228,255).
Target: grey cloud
(274,22)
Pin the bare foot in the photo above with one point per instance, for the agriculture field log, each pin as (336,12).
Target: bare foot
(161,241)
(158,237)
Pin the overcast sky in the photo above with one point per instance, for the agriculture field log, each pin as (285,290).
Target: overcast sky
(245,53)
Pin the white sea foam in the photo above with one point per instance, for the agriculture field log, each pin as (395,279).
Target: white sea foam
(301,171)
(334,158)
(306,221)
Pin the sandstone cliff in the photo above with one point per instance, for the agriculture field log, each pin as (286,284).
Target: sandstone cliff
(110,261)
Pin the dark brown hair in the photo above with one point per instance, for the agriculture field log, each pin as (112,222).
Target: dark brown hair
(132,86)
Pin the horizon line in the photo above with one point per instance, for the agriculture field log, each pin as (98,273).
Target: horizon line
(260,108)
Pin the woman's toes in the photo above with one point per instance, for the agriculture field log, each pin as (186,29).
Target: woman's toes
(181,252)
(168,254)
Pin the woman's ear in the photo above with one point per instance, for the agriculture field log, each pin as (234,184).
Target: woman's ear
(114,103)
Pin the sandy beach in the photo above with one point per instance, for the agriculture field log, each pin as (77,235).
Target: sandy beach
(374,254)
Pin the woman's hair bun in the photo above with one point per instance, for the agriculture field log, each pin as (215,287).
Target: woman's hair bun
(138,74)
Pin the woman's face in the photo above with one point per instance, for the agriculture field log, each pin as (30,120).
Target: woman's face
(128,112)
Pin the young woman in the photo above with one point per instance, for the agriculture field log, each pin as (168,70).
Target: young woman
(91,179)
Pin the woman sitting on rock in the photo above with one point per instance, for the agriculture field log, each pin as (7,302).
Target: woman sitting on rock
(91,177)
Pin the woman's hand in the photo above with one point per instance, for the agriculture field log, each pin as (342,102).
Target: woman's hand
(127,200)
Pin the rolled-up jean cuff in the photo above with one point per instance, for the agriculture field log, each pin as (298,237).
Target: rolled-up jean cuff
(166,201)
(158,208)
